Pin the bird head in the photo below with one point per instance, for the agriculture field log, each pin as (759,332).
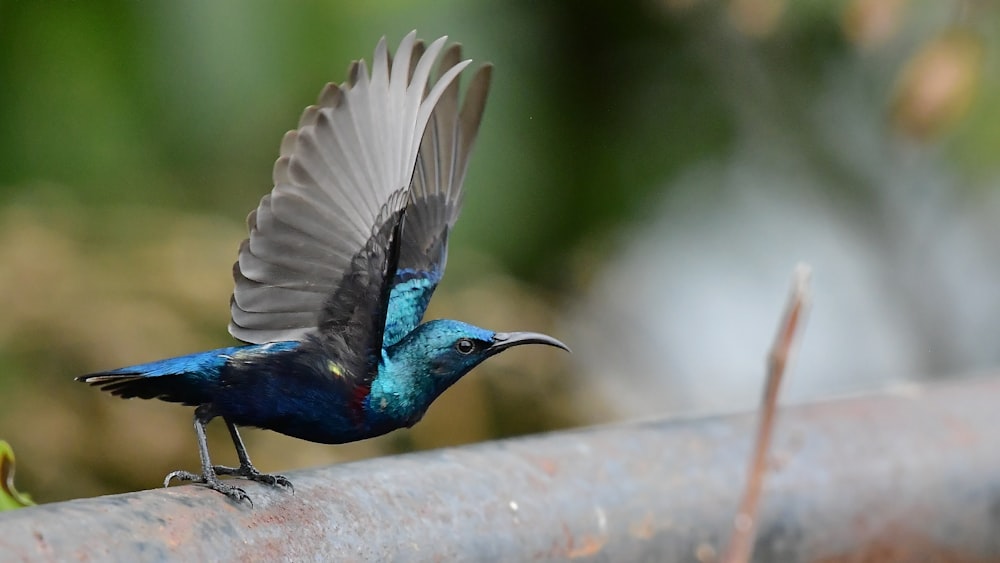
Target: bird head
(445,350)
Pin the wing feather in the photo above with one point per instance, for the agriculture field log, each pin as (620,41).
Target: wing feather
(340,183)
(435,196)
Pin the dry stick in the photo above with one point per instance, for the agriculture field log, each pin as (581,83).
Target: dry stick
(744,525)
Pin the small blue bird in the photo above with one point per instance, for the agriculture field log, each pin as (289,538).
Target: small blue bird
(342,259)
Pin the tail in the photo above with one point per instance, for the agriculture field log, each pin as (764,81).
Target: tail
(186,379)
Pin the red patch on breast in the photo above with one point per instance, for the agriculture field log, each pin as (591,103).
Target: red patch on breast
(358,395)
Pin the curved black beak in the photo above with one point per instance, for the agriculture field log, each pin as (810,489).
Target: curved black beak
(504,340)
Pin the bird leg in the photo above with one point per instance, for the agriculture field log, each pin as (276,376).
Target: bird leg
(208,475)
(246,468)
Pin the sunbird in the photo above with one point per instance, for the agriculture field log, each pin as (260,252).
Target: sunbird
(342,258)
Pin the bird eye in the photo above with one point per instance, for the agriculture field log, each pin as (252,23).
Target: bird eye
(464,346)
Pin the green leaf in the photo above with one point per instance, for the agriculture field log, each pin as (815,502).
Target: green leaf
(9,497)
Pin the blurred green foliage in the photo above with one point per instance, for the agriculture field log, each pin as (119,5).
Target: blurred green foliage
(136,135)
(10,498)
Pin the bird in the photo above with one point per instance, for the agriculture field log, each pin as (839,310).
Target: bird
(342,258)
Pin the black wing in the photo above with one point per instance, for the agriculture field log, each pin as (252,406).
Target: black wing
(435,197)
(339,185)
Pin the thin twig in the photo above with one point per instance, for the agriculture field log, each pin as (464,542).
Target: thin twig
(745,524)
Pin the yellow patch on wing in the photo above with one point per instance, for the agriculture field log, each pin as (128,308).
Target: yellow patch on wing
(335,369)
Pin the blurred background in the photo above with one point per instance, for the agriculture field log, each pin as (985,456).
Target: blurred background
(647,176)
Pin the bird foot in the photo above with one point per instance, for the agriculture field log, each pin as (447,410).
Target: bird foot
(250,472)
(211,481)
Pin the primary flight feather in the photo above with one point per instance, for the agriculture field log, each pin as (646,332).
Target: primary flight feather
(342,259)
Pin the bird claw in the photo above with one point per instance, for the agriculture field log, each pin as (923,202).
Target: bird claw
(250,472)
(211,481)
(182,476)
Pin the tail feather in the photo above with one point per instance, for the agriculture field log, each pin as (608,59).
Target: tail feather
(175,389)
(186,379)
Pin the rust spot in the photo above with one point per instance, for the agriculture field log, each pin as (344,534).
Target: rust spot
(589,545)
(177,532)
(643,529)
(550,467)
(960,432)
(705,553)
(44,549)
(901,545)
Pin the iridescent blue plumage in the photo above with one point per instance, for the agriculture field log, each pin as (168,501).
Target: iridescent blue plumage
(342,259)
(410,295)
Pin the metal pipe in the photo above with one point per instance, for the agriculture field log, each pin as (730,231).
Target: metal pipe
(903,477)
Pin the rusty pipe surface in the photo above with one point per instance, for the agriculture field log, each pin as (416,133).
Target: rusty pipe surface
(900,477)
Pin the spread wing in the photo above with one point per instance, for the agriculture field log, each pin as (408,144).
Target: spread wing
(324,243)
(435,197)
